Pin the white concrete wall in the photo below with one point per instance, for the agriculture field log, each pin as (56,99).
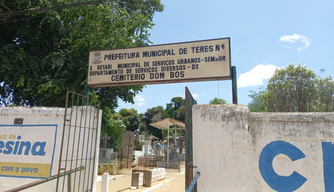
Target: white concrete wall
(236,150)
(114,183)
(138,153)
(43,126)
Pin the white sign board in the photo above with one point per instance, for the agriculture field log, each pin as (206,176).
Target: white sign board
(171,63)
(27,151)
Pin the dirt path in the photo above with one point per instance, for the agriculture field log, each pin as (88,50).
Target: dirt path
(174,182)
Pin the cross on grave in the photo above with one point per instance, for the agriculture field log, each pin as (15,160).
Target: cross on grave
(105,138)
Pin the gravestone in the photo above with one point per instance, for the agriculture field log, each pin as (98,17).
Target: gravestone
(157,149)
(105,154)
(147,147)
(127,149)
(181,143)
(141,137)
(105,139)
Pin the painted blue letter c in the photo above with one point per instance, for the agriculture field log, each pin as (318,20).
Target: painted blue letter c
(277,182)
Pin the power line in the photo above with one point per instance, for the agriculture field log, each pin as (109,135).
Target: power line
(8,14)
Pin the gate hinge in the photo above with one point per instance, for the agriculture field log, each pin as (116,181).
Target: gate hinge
(192,166)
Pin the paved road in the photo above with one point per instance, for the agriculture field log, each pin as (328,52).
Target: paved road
(174,182)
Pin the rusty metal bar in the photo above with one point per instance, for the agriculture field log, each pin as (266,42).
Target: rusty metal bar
(84,96)
(77,160)
(57,176)
(83,127)
(63,135)
(97,125)
(89,130)
(75,129)
(78,146)
(69,133)
(91,146)
(188,137)
(69,182)
(75,150)
(83,147)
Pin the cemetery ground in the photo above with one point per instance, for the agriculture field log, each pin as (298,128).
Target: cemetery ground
(174,182)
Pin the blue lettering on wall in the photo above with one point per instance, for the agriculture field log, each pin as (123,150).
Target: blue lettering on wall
(277,182)
(41,151)
(328,157)
(9,147)
(19,147)
(2,144)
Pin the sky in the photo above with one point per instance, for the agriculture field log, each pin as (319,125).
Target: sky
(264,35)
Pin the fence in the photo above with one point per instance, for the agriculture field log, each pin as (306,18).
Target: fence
(149,161)
(71,163)
(79,143)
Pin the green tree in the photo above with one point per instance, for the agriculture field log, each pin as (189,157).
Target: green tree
(291,89)
(147,7)
(130,118)
(179,132)
(295,88)
(114,129)
(325,92)
(181,114)
(217,101)
(256,105)
(141,122)
(177,102)
(174,109)
(150,116)
(43,53)
(169,112)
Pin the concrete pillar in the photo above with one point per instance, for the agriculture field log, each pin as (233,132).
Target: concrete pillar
(105,182)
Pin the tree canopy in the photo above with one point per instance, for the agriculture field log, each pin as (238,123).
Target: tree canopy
(256,105)
(129,117)
(218,101)
(114,129)
(295,88)
(43,53)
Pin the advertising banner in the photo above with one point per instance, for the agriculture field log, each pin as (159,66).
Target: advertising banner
(27,151)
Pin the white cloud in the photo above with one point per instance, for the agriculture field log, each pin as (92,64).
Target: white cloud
(256,75)
(295,37)
(195,95)
(139,100)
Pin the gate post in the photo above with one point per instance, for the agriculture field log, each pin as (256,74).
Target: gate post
(189,141)
(234,85)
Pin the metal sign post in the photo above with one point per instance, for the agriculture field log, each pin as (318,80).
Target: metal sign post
(234,85)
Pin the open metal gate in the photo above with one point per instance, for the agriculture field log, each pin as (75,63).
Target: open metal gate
(189,139)
(79,143)
(77,158)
